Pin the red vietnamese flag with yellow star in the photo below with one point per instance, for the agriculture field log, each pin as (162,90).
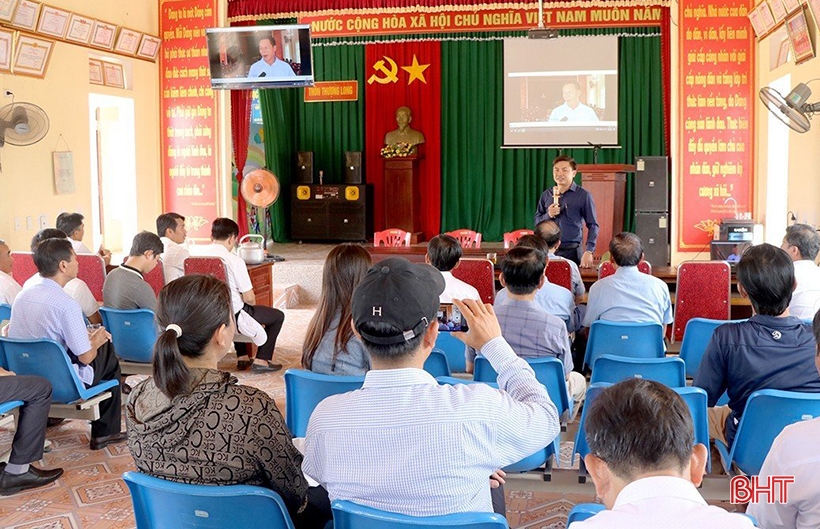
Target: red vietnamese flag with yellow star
(404,74)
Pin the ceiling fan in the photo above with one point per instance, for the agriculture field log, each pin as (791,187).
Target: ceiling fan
(793,110)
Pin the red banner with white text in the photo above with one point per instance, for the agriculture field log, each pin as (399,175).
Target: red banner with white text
(188,139)
(716,126)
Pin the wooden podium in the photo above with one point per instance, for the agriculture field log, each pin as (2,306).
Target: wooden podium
(607,185)
(402,199)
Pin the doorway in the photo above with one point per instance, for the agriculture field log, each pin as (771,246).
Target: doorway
(113,173)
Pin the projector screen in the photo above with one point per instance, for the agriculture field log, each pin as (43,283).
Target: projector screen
(561,92)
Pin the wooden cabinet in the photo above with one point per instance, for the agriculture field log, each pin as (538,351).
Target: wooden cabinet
(262,281)
(330,212)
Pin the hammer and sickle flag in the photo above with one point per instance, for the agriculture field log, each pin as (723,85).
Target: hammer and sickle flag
(388,75)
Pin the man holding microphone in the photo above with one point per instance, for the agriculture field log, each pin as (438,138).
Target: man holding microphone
(571,207)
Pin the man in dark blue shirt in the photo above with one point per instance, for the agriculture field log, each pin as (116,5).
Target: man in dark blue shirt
(571,207)
(771,350)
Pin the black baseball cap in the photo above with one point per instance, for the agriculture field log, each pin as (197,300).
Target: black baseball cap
(400,293)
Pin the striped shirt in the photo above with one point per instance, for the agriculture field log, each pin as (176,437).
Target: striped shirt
(44,310)
(404,444)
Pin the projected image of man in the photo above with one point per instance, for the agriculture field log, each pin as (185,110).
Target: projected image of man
(573,109)
(269,65)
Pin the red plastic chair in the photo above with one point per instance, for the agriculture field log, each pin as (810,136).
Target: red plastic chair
(24,266)
(467,238)
(703,291)
(92,271)
(480,274)
(607,269)
(212,266)
(393,237)
(511,237)
(559,273)
(156,278)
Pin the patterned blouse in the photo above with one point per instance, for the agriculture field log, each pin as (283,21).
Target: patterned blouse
(219,434)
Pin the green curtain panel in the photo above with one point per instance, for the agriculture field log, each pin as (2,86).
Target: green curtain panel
(484,187)
(494,190)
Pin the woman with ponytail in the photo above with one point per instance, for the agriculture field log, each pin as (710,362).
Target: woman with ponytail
(192,423)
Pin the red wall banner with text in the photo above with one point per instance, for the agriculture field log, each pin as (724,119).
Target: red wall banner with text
(716,126)
(188,114)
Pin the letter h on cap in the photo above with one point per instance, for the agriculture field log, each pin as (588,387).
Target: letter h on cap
(377,311)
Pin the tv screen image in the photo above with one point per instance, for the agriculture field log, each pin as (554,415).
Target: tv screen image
(260,57)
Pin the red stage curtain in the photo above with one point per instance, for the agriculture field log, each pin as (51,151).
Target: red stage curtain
(240,130)
(424,100)
(666,77)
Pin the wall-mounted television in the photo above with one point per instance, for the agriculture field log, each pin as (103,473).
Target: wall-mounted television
(260,57)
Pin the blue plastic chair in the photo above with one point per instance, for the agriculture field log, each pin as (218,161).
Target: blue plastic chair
(48,359)
(695,339)
(635,340)
(695,399)
(767,412)
(349,515)
(541,458)
(436,364)
(549,371)
(453,349)
(613,369)
(133,333)
(304,390)
(7,407)
(582,511)
(5,312)
(162,504)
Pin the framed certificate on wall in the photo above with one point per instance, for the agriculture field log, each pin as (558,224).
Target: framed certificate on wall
(25,16)
(799,35)
(79,28)
(95,71)
(128,41)
(53,22)
(6,46)
(7,8)
(149,47)
(113,74)
(31,56)
(102,36)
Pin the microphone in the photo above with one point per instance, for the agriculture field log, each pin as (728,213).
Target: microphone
(263,74)
(565,118)
(555,195)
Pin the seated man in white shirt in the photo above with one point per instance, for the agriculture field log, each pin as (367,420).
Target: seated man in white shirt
(224,234)
(802,243)
(645,464)
(76,287)
(628,295)
(795,453)
(9,288)
(172,233)
(405,444)
(444,253)
(73,226)
(44,310)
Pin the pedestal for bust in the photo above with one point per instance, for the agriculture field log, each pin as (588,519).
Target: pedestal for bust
(402,198)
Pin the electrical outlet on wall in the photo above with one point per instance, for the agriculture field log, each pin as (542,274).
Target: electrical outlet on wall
(29,223)
(43,222)
(17,224)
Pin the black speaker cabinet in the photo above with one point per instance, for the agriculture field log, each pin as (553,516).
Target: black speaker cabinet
(304,167)
(653,229)
(652,183)
(353,167)
(330,212)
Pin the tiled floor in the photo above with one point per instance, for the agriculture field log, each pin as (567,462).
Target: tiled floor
(91,495)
